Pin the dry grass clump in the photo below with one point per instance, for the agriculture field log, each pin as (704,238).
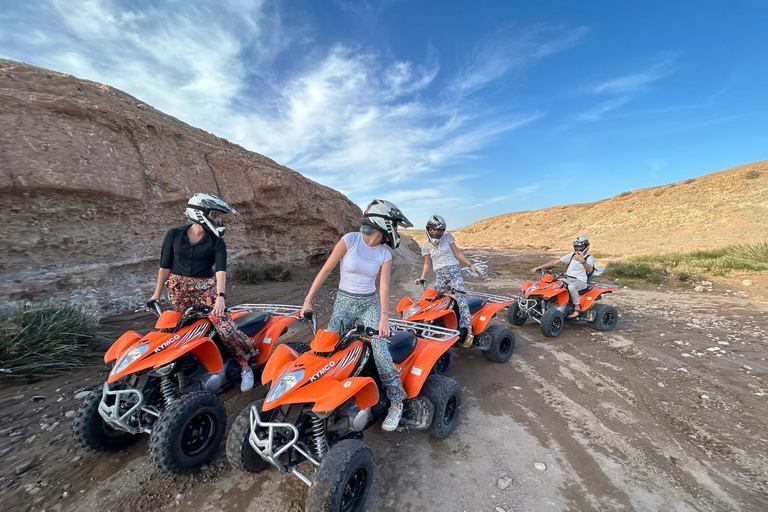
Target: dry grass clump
(46,339)
(252,274)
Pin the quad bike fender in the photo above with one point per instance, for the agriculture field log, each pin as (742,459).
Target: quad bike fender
(121,344)
(265,339)
(282,356)
(447,316)
(414,375)
(363,389)
(592,296)
(404,304)
(527,284)
(204,349)
(483,317)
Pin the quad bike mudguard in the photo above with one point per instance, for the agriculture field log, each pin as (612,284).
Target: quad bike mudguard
(268,336)
(363,389)
(282,356)
(120,345)
(428,353)
(485,315)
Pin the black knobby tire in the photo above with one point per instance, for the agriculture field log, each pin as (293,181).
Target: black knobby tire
(552,322)
(445,395)
(443,364)
(298,346)
(515,316)
(343,479)
(502,344)
(240,454)
(93,433)
(188,433)
(606,317)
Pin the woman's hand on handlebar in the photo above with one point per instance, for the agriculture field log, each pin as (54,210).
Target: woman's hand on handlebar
(218,308)
(307,306)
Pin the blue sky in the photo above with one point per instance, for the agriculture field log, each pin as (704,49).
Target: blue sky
(465,109)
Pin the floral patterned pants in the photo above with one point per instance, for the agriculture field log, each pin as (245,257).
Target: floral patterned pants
(365,308)
(450,277)
(184,291)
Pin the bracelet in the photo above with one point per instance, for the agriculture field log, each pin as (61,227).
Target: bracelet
(384,313)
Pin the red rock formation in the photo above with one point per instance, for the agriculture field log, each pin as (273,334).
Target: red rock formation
(91,178)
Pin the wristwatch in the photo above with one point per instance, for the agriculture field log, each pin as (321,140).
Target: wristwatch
(222,294)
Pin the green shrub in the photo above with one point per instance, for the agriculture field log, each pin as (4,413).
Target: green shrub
(657,193)
(47,339)
(686,275)
(635,269)
(251,274)
(689,181)
(752,174)
(625,193)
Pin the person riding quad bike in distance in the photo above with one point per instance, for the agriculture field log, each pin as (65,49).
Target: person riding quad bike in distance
(362,255)
(580,268)
(188,258)
(441,249)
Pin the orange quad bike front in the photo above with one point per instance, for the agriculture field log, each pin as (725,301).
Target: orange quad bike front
(320,402)
(438,308)
(167,382)
(548,303)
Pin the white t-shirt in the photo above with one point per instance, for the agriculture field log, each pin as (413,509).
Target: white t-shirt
(575,268)
(441,254)
(361,263)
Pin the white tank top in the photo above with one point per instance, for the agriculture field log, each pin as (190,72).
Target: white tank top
(361,264)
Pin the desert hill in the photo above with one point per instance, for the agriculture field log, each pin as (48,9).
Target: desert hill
(713,210)
(91,178)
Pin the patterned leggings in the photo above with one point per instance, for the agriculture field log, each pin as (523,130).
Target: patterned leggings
(450,277)
(184,291)
(365,308)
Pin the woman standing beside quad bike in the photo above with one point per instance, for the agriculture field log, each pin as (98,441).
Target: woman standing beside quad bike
(362,256)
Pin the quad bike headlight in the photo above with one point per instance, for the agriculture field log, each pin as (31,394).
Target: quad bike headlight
(411,311)
(532,288)
(129,356)
(286,381)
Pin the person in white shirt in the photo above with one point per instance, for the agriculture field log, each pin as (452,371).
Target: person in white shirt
(362,255)
(580,267)
(441,249)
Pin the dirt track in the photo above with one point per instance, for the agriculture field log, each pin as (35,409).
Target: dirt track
(622,420)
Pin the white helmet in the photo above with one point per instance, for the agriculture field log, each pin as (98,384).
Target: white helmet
(581,241)
(385,217)
(200,206)
(435,222)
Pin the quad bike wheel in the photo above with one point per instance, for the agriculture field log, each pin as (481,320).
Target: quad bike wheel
(443,364)
(515,316)
(298,346)
(240,454)
(445,395)
(552,322)
(606,317)
(502,344)
(93,433)
(188,433)
(343,479)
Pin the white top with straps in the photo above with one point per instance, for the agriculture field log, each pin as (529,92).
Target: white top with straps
(361,264)
(576,268)
(441,254)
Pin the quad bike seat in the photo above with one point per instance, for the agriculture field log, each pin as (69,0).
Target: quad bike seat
(475,304)
(400,345)
(585,290)
(251,323)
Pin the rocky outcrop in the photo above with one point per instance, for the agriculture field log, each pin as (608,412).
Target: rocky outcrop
(91,178)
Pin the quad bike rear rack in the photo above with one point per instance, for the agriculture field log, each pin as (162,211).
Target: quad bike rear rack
(287,310)
(426,331)
(489,297)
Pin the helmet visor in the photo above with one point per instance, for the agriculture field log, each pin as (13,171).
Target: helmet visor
(436,232)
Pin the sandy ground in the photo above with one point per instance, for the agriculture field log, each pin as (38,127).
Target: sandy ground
(666,413)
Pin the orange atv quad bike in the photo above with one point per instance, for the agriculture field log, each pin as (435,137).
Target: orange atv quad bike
(497,342)
(166,383)
(548,303)
(320,402)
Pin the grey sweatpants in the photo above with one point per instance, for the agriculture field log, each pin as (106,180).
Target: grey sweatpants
(574,287)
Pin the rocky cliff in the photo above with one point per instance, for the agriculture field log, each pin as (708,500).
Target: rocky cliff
(91,178)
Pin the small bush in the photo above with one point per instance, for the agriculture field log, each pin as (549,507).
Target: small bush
(277,272)
(657,193)
(686,275)
(250,274)
(45,340)
(624,194)
(689,181)
(635,269)
(752,174)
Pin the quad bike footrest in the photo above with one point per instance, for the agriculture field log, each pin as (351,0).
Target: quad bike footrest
(417,413)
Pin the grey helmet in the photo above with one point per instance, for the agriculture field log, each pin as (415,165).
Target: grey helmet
(199,207)
(581,241)
(435,222)
(385,216)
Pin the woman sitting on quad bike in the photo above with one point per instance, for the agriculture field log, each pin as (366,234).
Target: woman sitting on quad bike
(362,255)
(186,270)
(442,250)
(580,268)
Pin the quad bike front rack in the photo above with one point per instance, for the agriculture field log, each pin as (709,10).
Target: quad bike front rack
(130,420)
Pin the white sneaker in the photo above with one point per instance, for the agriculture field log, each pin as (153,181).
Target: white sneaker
(393,417)
(246,382)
